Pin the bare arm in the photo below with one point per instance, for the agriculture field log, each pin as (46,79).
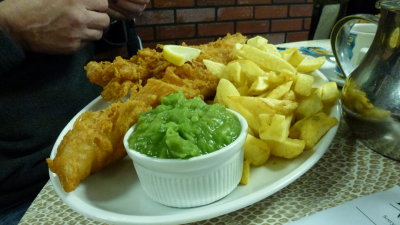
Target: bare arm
(53,26)
(126,9)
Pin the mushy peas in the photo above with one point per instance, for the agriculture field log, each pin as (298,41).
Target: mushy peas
(183,128)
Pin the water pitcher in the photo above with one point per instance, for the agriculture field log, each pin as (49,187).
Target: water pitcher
(370,97)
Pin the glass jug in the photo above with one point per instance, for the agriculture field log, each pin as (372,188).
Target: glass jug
(370,97)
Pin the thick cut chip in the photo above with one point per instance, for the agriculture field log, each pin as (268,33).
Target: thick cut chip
(259,86)
(309,106)
(275,127)
(233,72)
(224,89)
(312,128)
(250,71)
(288,75)
(280,91)
(308,65)
(257,41)
(270,48)
(256,151)
(293,56)
(303,85)
(284,107)
(215,68)
(290,96)
(249,115)
(289,148)
(328,92)
(243,90)
(266,60)
(255,104)
(287,53)
(265,105)
(296,58)
(262,44)
(276,79)
(245,173)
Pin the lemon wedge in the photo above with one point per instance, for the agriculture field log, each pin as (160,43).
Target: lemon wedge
(178,55)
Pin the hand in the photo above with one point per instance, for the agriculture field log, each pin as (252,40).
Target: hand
(54,26)
(126,9)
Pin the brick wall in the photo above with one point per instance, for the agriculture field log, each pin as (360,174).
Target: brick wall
(200,21)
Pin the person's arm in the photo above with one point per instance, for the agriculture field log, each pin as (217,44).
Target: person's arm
(53,26)
(11,54)
(126,9)
(120,39)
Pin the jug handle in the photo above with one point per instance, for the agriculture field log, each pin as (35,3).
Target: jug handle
(339,35)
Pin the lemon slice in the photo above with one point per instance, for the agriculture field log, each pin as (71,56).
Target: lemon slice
(178,55)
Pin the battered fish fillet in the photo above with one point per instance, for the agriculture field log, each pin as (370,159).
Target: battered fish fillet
(118,77)
(94,142)
(96,139)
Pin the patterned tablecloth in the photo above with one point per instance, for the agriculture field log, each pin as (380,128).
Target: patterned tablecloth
(347,170)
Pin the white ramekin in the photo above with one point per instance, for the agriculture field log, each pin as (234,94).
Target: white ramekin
(191,182)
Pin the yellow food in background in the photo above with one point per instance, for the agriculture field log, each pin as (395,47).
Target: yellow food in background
(275,91)
(357,101)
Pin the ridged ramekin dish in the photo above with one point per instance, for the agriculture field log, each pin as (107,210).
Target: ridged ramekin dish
(195,181)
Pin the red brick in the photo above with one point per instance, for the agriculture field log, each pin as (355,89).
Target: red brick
(289,1)
(215,2)
(235,13)
(156,17)
(248,27)
(253,2)
(195,15)
(300,10)
(215,29)
(266,12)
(296,36)
(175,31)
(307,23)
(286,25)
(173,3)
(145,33)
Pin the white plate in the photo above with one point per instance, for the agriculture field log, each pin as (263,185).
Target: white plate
(114,195)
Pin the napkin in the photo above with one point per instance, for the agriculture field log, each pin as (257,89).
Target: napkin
(382,208)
